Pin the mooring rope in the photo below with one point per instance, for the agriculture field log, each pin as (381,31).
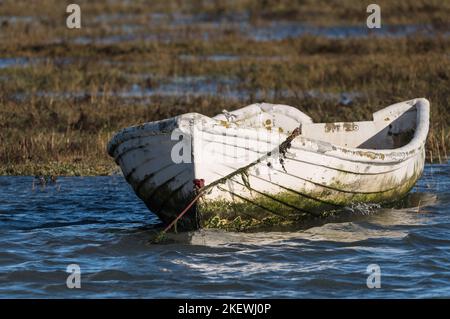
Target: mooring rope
(282,149)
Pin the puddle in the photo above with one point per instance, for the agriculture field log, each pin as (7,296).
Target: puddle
(229,57)
(285,30)
(175,27)
(14,62)
(202,86)
(343,98)
(188,86)
(224,87)
(17,19)
(271,32)
(106,40)
(112,17)
(6,63)
(212,58)
(161,37)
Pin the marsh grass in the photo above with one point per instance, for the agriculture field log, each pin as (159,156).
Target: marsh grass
(59,109)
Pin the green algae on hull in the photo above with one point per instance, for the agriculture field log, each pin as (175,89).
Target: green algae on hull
(288,209)
(269,211)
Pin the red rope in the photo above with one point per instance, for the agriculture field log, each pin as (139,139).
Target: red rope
(200,183)
(183,212)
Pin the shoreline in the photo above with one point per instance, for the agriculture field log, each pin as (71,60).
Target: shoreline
(82,169)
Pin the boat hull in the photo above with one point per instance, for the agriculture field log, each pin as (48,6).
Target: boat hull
(167,162)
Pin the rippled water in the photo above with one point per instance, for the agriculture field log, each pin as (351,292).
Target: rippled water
(99,224)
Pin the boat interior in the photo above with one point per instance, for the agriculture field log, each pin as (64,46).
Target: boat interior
(391,128)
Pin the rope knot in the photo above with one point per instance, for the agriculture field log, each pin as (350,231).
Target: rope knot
(199,183)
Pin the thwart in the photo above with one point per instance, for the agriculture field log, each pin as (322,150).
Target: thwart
(247,180)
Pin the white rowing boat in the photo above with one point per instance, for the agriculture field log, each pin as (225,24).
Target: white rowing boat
(327,167)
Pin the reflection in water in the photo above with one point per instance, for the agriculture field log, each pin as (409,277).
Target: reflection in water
(351,227)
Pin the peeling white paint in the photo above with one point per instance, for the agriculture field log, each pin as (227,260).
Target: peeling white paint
(334,159)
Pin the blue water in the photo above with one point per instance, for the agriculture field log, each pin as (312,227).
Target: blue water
(99,224)
(207,27)
(13,62)
(279,30)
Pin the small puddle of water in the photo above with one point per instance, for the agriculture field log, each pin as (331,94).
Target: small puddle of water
(206,27)
(284,30)
(13,62)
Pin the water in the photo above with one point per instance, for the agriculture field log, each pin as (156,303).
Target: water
(16,19)
(280,30)
(99,224)
(284,30)
(195,86)
(13,62)
(206,27)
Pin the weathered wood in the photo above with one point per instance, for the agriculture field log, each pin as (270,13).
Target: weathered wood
(326,166)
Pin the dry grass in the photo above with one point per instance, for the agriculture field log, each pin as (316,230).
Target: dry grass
(59,109)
